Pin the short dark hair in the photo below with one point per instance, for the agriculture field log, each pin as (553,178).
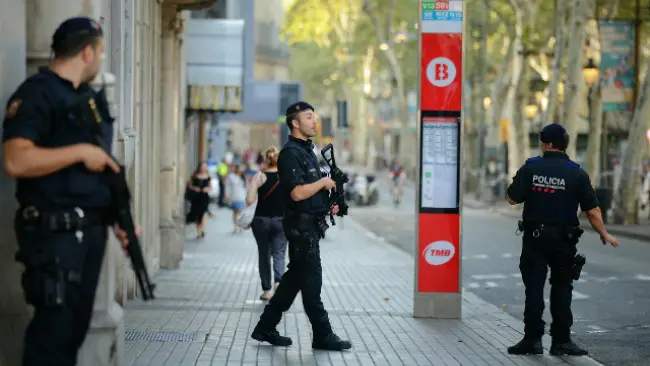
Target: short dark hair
(71,46)
(293,117)
(561,142)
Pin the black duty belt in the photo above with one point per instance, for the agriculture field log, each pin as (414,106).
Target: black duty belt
(537,228)
(61,220)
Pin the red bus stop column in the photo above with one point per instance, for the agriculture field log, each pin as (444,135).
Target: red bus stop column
(438,289)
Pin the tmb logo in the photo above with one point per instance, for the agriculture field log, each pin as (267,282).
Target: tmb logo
(439,252)
(441,72)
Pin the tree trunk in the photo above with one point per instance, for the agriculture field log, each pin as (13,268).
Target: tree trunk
(574,87)
(595,132)
(556,71)
(515,153)
(625,196)
(523,124)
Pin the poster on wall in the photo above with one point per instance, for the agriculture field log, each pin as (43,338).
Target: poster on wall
(617,65)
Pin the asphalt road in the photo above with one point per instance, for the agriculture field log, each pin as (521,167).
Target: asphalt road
(611,303)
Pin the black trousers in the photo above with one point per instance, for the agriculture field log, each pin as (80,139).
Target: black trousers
(271,244)
(55,334)
(222,192)
(550,249)
(304,275)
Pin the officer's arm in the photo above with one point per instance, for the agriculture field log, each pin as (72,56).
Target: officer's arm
(26,123)
(292,177)
(515,191)
(589,204)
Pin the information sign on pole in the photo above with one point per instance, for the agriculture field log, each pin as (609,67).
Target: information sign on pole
(438,289)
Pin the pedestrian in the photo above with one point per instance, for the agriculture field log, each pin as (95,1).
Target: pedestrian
(552,187)
(61,223)
(222,172)
(199,186)
(236,193)
(303,224)
(267,222)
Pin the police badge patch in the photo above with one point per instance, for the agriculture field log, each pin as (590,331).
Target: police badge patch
(13,108)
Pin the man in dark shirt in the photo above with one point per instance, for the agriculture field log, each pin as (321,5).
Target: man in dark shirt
(300,177)
(551,188)
(61,223)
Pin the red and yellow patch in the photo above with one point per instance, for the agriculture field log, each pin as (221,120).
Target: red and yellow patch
(13,108)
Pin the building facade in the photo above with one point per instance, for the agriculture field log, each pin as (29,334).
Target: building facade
(144,72)
(265,71)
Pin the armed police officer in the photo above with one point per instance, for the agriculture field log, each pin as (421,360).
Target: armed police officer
(551,188)
(304,225)
(61,224)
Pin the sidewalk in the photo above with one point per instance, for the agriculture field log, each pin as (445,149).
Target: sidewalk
(205,311)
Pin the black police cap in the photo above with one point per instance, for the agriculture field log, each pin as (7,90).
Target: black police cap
(298,107)
(551,133)
(76,26)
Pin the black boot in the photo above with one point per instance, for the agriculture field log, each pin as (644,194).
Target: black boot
(271,336)
(567,348)
(331,342)
(527,346)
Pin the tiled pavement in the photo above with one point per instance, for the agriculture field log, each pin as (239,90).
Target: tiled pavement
(205,311)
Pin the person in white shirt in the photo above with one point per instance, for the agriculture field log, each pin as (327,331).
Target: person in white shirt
(235,194)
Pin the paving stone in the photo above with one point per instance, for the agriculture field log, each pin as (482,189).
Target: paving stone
(367,290)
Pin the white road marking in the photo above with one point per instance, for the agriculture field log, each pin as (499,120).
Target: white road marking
(576,296)
(607,279)
(593,329)
(642,277)
(516,275)
(582,280)
(491,284)
(507,255)
(473,285)
(519,284)
(480,256)
(489,277)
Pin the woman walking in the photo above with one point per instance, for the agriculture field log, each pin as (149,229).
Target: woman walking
(236,193)
(199,197)
(267,222)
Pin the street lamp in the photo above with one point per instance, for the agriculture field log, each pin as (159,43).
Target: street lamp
(531,110)
(487,102)
(591,73)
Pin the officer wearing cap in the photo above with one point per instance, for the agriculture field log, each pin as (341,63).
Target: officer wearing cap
(61,224)
(300,178)
(552,187)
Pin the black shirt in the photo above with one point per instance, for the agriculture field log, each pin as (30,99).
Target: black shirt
(551,188)
(271,201)
(38,112)
(298,165)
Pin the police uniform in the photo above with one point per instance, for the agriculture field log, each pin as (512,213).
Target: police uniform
(303,227)
(552,187)
(61,224)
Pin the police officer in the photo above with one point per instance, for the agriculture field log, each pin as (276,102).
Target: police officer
(551,188)
(303,223)
(61,224)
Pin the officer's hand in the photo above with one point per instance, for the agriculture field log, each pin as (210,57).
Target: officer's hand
(609,239)
(95,159)
(328,183)
(122,237)
(335,209)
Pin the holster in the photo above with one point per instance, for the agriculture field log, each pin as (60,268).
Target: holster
(45,283)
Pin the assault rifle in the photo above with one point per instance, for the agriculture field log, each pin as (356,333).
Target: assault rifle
(92,109)
(337,196)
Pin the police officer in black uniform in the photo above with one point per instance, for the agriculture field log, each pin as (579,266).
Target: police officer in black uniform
(304,225)
(552,187)
(61,224)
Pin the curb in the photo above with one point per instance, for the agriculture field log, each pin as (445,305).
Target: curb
(503,211)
